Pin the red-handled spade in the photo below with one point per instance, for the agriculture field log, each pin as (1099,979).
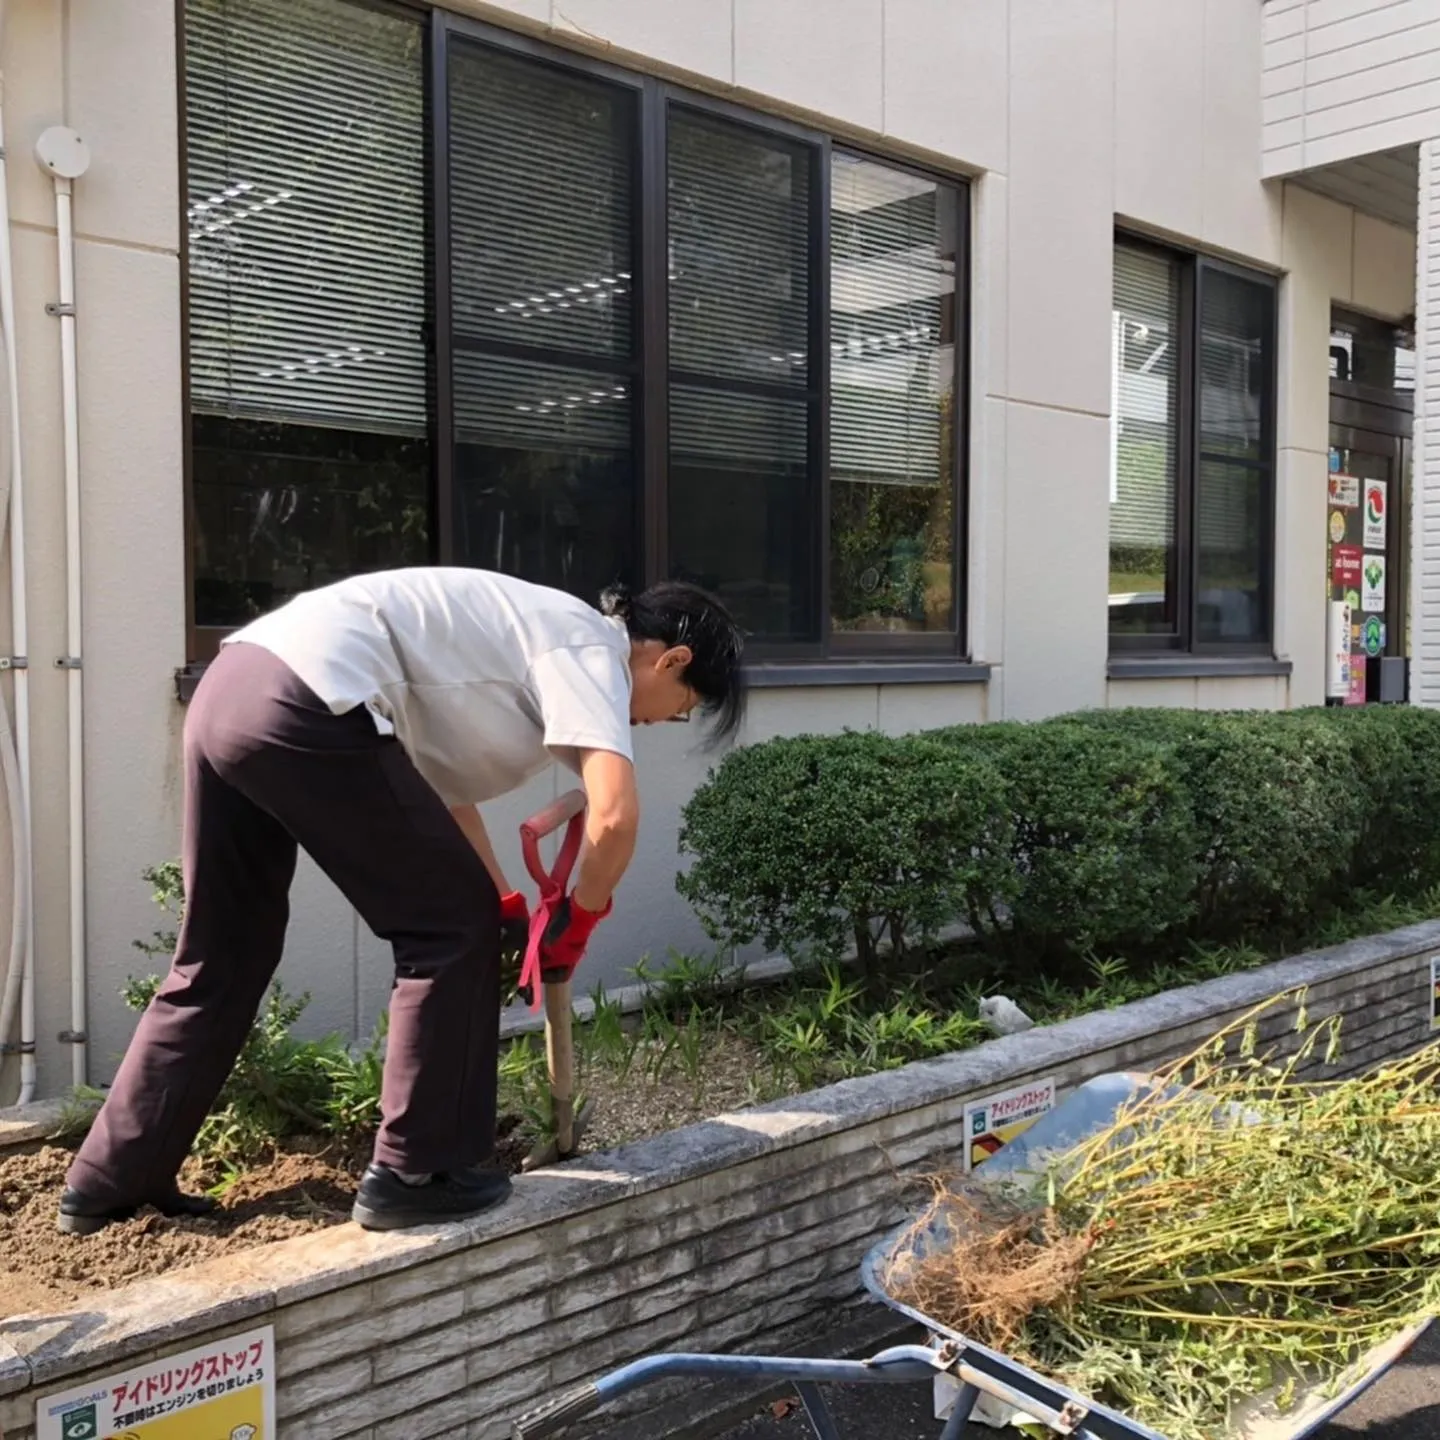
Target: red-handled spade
(568,810)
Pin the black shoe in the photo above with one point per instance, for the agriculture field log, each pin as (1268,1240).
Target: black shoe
(80,1215)
(386,1202)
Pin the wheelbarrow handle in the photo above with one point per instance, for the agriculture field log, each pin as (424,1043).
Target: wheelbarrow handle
(555,1414)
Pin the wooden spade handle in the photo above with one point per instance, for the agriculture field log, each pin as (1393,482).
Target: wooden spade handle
(560,1057)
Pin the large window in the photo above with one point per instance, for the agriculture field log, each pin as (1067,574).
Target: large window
(458,297)
(1193,463)
(310,452)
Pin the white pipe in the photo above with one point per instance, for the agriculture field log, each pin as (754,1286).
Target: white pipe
(75,700)
(63,154)
(19,990)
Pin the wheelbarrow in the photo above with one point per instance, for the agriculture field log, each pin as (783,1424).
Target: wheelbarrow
(973,1385)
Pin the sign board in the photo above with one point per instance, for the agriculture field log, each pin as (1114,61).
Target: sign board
(1337,661)
(1372,590)
(996,1120)
(1372,635)
(1345,491)
(1374,536)
(1347,565)
(222,1391)
(1435,992)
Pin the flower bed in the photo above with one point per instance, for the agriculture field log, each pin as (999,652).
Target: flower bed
(743,1231)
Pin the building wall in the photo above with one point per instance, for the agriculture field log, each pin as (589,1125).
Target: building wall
(1345,78)
(1068,113)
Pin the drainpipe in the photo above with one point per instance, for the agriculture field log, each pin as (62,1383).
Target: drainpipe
(64,155)
(18,993)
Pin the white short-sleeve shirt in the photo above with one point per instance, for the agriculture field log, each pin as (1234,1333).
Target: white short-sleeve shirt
(484,679)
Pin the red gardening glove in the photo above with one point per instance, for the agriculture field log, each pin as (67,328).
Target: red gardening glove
(514,920)
(514,936)
(566,937)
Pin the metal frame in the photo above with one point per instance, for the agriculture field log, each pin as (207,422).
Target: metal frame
(950,645)
(1190,272)
(1372,430)
(975,1370)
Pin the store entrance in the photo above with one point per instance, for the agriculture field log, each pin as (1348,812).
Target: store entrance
(1367,542)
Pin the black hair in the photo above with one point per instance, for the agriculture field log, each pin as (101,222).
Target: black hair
(676,612)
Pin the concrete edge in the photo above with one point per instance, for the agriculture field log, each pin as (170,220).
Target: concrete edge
(37,1348)
(22,1124)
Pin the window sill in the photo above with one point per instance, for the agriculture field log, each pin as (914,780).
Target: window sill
(785,674)
(1193,667)
(775,676)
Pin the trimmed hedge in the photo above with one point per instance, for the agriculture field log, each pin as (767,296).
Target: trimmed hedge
(820,840)
(1105,832)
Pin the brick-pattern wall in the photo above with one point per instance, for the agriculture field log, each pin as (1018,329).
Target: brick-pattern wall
(744,1233)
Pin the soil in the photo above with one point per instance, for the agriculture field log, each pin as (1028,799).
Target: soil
(308,1185)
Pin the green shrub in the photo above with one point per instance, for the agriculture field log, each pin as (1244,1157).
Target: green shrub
(816,842)
(1395,750)
(1102,842)
(1277,808)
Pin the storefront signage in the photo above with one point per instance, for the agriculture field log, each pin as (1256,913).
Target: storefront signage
(1337,669)
(1372,591)
(1374,515)
(1347,562)
(1345,491)
(1372,635)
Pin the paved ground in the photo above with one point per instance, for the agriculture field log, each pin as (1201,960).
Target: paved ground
(1405,1405)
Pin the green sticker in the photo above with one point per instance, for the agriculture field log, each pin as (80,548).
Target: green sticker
(81,1424)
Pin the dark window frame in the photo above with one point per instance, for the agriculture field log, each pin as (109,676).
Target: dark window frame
(1191,268)
(832,659)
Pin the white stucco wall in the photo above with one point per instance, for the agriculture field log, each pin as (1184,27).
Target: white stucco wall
(1069,113)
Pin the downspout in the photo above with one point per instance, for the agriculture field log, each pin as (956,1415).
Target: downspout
(65,156)
(19,990)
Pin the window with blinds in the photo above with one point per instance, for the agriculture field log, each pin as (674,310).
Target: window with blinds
(305,202)
(543,304)
(743,493)
(1192,478)
(461,298)
(1235,479)
(305,190)
(893,243)
(1145,442)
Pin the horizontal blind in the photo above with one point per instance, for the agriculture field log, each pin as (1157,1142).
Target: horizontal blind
(504,402)
(892,297)
(542,177)
(738,432)
(1142,510)
(739,225)
(305,190)
(1237,325)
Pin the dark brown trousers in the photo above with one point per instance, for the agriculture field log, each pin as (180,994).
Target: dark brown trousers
(269,768)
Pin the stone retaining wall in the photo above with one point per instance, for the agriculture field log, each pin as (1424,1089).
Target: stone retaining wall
(741,1233)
